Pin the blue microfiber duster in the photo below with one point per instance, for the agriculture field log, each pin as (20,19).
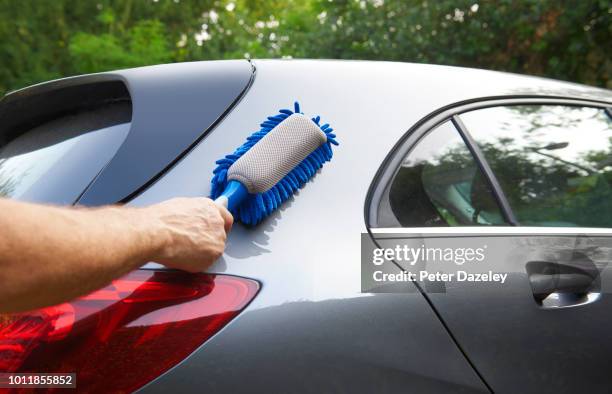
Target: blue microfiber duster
(272,164)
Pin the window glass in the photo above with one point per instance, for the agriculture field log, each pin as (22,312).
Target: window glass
(55,161)
(554,163)
(439,184)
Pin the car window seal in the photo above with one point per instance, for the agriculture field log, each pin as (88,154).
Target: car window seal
(486,170)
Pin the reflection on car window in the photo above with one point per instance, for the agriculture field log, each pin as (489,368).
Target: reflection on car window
(54,162)
(554,163)
(440,184)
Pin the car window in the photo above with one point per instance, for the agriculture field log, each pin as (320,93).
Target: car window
(55,161)
(553,162)
(439,184)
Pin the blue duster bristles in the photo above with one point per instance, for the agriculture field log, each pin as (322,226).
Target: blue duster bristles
(258,206)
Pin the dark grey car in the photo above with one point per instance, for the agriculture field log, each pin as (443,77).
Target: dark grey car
(430,156)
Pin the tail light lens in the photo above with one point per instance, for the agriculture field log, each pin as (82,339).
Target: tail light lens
(126,334)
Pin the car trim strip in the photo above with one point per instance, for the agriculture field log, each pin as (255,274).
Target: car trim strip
(484,166)
(493,230)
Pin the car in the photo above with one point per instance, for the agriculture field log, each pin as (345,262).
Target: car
(516,168)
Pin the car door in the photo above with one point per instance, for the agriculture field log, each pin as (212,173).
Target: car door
(512,197)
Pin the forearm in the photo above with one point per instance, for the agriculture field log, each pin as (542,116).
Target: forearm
(51,254)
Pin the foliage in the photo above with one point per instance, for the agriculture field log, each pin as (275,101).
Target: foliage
(562,39)
(145,44)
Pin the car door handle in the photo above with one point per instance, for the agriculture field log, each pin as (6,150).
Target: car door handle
(569,283)
(545,284)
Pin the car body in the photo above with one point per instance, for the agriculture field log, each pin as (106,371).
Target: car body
(311,328)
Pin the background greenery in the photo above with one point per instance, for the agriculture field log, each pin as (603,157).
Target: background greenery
(568,40)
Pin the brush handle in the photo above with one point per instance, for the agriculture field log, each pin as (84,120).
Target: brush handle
(233,195)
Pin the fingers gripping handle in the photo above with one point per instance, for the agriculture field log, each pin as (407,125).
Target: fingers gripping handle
(233,195)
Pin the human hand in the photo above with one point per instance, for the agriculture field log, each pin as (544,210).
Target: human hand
(192,232)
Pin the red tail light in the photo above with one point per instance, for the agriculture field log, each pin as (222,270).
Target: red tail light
(125,335)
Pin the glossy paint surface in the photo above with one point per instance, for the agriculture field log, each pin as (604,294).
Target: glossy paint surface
(310,329)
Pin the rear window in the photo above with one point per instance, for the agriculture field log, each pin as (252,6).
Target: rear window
(54,158)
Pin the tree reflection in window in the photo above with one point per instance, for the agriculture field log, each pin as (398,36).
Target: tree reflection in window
(440,184)
(554,163)
(7,183)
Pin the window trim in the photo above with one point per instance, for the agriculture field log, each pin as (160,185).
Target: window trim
(485,231)
(423,127)
(486,170)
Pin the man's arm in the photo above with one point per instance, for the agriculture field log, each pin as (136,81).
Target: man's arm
(49,255)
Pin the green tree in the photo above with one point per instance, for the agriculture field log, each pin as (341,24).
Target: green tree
(562,39)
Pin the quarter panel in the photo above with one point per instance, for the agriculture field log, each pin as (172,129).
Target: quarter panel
(385,343)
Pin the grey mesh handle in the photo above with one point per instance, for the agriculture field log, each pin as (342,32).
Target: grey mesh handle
(276,154)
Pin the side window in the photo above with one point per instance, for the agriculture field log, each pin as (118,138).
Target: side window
(553,162)
(439,184)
